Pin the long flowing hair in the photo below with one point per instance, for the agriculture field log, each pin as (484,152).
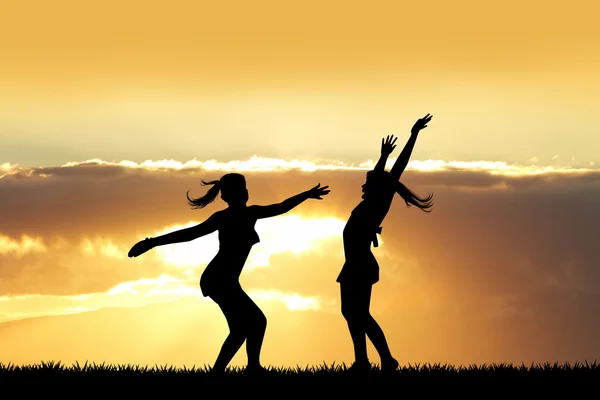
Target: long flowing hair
(410,198)
(381,179)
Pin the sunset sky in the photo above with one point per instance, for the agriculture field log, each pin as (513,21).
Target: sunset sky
(110,111)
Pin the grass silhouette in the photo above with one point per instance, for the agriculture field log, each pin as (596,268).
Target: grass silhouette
(92,373)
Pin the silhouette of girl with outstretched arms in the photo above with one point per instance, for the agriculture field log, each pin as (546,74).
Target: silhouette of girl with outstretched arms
(361,270)
(220,279)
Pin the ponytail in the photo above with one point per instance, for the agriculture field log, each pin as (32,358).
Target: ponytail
(208,198)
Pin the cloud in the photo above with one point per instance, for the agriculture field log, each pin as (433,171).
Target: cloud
(104,247)
(137,293)
(266,164)
(102,209)
(20,247)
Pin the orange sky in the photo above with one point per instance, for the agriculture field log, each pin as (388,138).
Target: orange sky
(271,41)
(292,94)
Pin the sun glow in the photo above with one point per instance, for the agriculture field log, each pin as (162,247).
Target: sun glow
(292,301)
(286,233)
(136,293)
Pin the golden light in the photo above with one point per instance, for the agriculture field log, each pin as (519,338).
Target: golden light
(185,255)
(103,246)
(285,233)
(256,163)
(135,293)
(26,245)
(292,301)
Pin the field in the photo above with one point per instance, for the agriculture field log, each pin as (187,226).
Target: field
(57,373)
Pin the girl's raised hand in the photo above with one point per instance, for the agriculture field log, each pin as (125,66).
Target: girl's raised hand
(421,123)
(317,192)
(388,145)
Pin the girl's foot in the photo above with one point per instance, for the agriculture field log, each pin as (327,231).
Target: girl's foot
(389,365)
(360,366)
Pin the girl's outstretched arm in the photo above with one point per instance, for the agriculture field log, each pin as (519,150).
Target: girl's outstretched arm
(288,204)
(182,235)
(387,147)
(402,160)
(187,234)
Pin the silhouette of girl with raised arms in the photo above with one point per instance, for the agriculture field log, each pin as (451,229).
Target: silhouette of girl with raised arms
(220,279)
(361,270)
